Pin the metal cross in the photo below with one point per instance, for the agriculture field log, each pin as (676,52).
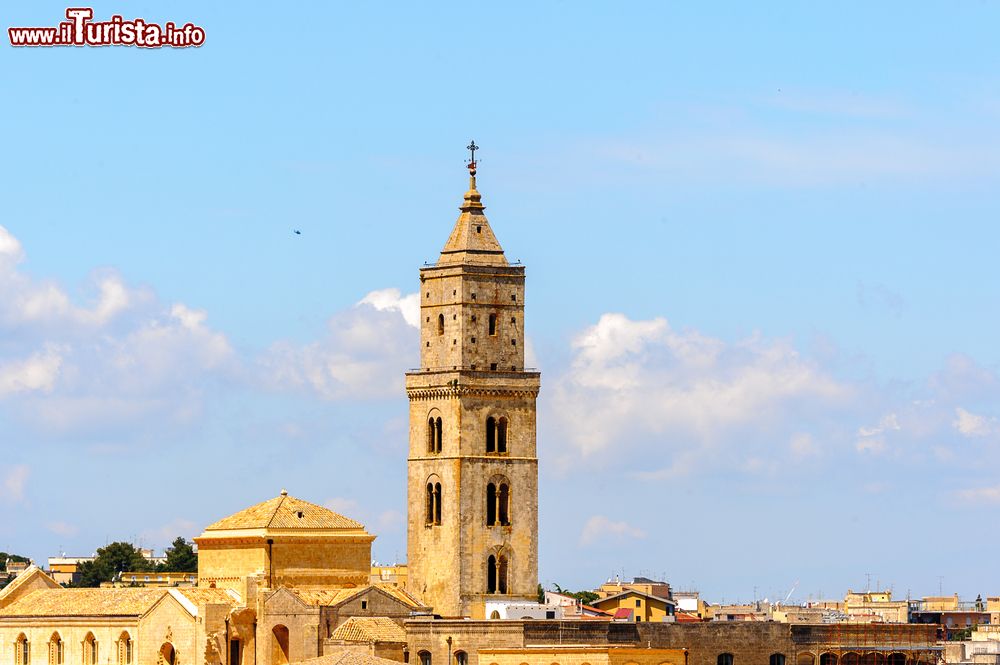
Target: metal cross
(472,147)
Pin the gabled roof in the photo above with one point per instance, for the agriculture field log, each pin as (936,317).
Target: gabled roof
(633,592)
(370,629)
(334,597)
(123,601)
(285,512)
(31,573)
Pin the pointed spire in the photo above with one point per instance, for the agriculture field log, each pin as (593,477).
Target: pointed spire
(472,240)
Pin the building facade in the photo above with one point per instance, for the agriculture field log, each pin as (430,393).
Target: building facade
(472,468)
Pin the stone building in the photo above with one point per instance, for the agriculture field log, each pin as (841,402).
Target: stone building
(473,469)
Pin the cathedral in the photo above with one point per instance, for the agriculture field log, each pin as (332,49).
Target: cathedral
(286,580)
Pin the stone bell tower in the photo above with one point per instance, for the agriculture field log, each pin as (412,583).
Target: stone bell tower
(473,468)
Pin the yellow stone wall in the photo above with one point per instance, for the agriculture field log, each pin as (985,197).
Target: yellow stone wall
(72,631)
(227,564)
(582,656)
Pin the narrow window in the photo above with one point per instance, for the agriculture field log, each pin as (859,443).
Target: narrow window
(502,574)
(430,503)
(461,658)
(491,435)
(234,652)
(437,503)
(425,657)
(473,340)
(55,650)
(493,324)
(440,324)
(491,574)
(493,366)
(503,505)
(22,650)
(502,435)
(431,437)
(473,296)
(513,320)
(364,604)
(491,504)
(89,650)
(438,436)
(513,342)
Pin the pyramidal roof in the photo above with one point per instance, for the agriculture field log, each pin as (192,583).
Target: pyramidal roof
(472,240)
(285,512)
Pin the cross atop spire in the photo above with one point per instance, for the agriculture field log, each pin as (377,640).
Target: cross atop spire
(472,148)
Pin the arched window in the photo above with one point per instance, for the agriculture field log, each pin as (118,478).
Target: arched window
(167,655)
(502,435)
(491,504)
(440,324)
(493,324)
(437,503)
(502,573)
(434,434)
(826,659)
(491,435)
(124,649)
(89,650)
(279,645)
(425,657)
(491,574)
(724,659)
(22,650)
(805,658)
(461,658)
(776,659)
(503,504)
(55,650)
(430,504)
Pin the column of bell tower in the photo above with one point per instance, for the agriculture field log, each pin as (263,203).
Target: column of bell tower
(473,468)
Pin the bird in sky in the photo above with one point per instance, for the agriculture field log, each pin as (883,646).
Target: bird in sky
(297,232)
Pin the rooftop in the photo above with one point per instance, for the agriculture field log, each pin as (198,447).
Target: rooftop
(285,512)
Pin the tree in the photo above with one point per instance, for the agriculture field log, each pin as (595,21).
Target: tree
(181,558)
(112,560)
(586,597)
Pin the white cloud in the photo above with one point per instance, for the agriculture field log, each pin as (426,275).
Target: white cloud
(14,482)
(971,425)
(363,355)
(641,381)
(390,300)
(600,527)
(38,372)
(342,505)
(123,360)
(980,494)
(873,439)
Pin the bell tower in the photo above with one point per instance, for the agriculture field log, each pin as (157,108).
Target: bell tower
(473,468)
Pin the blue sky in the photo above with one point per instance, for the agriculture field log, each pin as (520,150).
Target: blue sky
(762,277)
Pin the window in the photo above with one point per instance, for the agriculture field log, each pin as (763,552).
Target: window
(493,324)
(491,574)
(22,650)
(638,603)
(513,342)
(513,319)
(430,504)
(364,604)
(89,650)
(479,229)
(503,504)
(513,297)
(724,659)
(473,296)
(437,503)
(125,650)
(493,366)
(434,434)
(55,650)
(279,645)
(491,435)
(502,574)
(234,652)
(778,659)
(491,504)
(440,324)
(461,658)
(425,657)
(501,435)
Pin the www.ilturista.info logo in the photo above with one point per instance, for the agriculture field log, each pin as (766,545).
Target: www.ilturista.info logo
(80,30)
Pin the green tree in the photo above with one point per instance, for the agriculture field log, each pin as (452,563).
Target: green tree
(587,597)
(181,558)
(112,560)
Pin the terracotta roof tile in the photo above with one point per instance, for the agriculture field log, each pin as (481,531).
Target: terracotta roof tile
(347,657)
(285,512)
(370,629)
(126,601)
